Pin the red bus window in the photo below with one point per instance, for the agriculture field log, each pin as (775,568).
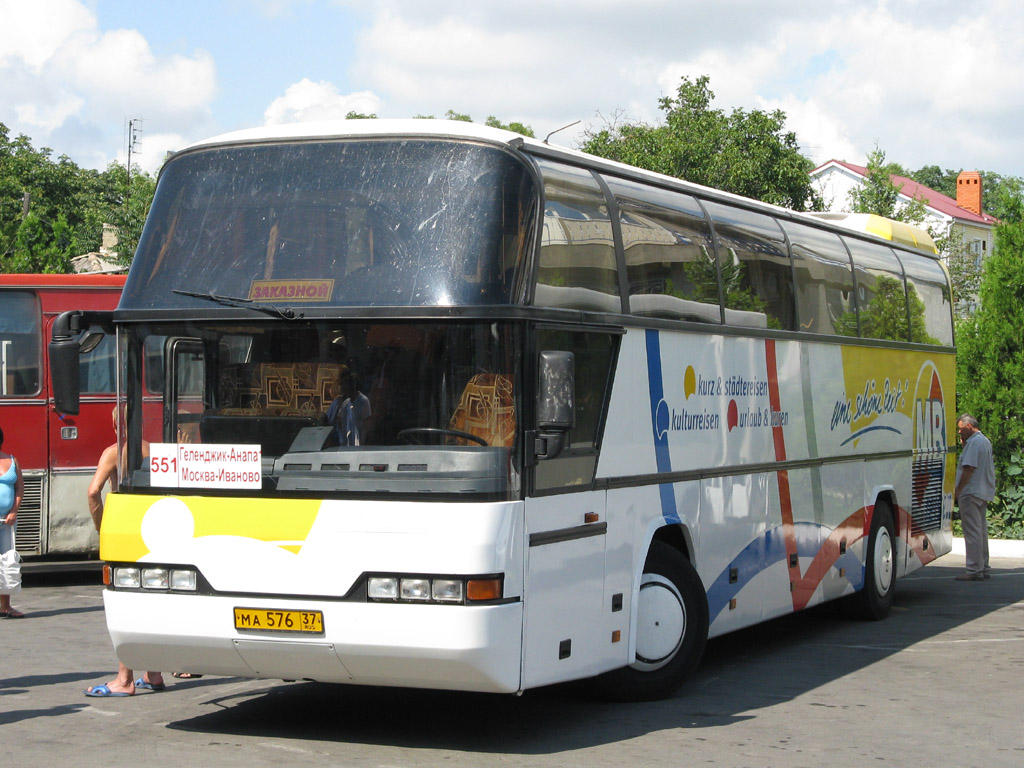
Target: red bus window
(20,344)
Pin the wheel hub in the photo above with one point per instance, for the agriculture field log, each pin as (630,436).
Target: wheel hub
(661,622)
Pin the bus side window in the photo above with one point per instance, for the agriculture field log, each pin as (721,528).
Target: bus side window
(20,344)
(97,369)
(824,281)
(593,353)
(757,280)
(670,256)
(577,268)
(881,292)
(928,295)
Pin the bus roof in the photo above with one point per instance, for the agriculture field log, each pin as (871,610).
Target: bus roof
(457,129)
(887,229)
(869,224)
(342,129)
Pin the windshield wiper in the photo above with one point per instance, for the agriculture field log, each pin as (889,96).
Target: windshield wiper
(235,301)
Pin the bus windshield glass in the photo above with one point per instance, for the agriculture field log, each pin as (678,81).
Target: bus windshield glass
(337,223)
(346,407)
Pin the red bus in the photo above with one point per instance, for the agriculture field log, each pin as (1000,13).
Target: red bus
(57,453)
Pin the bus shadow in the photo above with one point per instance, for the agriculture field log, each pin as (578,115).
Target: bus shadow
(741,673)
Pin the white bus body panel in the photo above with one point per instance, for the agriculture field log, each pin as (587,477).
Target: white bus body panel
(465,647)
(769,542)
(430,646)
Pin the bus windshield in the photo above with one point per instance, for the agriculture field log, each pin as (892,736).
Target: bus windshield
(337,406)
(338,223)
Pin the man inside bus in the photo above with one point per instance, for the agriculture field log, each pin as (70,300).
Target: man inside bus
(349,410)
(125,684)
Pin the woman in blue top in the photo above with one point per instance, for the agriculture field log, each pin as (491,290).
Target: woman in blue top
(11,490)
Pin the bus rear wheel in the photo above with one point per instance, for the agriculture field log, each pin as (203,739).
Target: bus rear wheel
(671,629)
(875,599)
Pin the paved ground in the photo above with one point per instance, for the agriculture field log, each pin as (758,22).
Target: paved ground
(937,684)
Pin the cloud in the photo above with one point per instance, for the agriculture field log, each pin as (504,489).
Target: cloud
(306,101)
(930,83)
(59,72)
(547,63)
(31,33)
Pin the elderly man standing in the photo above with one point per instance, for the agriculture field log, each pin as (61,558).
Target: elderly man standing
(975,487)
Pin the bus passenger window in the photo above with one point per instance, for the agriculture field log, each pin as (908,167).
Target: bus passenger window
(824,281)
(670,256)
(929,300)
(757,279)
(97,369)
(577,257)
(881,293)
(20,342)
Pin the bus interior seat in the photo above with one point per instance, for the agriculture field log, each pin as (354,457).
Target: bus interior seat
(269,403)
(486,409)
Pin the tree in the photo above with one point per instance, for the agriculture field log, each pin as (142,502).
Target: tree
(879,194)
(935,178)
(748,153)
(1000,192)
(491,121)
(998,188)
(128,214)
(52,211)
(965,270)
(990,359)
(513,126)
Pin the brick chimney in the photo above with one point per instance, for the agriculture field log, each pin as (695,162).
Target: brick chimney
(968,191)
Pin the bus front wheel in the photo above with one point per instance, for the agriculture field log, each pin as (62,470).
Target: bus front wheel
(671,629)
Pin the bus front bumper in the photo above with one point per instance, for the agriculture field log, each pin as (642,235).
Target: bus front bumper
(455,647)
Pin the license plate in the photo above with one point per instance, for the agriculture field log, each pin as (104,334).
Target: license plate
(270,620)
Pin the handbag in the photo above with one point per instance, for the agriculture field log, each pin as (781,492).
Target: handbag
(10,572)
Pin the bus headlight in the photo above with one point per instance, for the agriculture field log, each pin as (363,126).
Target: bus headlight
(127,578)
(446,590)
(155,578)
(434,589)
(183,580)
(382,589)
(415,589)
(152,578)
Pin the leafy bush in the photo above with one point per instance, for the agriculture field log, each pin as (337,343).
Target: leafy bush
(1006,511)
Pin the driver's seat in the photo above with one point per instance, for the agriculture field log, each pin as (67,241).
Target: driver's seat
(486,409)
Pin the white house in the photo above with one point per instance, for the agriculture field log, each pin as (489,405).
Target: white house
(835,179)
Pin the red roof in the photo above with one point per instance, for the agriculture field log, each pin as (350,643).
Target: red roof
(908,187)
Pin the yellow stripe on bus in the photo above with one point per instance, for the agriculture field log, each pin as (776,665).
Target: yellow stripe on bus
(123,535)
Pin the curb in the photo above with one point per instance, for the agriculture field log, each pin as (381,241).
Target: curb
(996,547)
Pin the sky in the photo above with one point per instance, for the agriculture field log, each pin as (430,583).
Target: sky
(929,82)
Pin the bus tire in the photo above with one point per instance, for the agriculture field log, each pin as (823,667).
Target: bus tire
(671,629)
(875,598)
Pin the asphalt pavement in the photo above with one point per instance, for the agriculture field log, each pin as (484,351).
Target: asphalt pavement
(938,683)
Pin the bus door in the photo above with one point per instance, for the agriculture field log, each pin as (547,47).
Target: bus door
(568,612)
(23,397)
(564,633)
(75,445)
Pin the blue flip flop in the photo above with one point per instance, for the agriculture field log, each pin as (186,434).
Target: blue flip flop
(103,692)
(141,683)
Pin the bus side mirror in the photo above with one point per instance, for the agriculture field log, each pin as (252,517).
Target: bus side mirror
(64,376)
(556,412)
(64,350)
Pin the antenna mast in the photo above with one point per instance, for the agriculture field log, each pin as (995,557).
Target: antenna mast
(133,144)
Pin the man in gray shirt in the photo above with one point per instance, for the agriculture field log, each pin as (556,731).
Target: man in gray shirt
(975,488)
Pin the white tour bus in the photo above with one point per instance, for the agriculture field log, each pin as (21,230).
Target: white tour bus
(447,407)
